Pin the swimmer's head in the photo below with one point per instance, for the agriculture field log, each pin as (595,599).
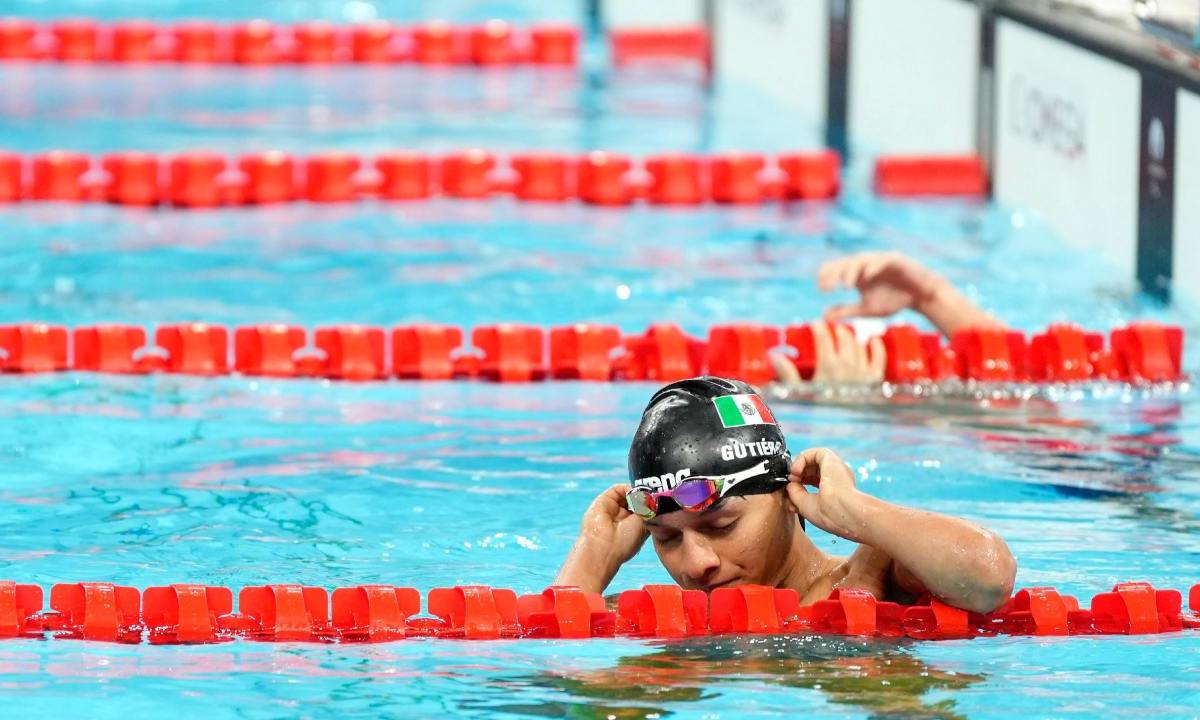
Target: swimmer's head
(707,427)
(721,431)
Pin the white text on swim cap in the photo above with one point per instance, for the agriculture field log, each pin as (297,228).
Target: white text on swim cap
(736,450)
(666,481)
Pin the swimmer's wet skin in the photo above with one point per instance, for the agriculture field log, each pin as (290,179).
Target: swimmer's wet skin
(712,482)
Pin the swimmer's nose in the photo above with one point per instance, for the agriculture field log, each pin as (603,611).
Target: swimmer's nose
(700,562)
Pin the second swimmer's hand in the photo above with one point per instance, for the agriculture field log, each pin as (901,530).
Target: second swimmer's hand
(835,506)
(887,282)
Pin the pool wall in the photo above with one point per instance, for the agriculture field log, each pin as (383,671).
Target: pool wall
(1092,126)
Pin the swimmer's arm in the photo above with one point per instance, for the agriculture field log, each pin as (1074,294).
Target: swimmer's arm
(609,536)
(959,562)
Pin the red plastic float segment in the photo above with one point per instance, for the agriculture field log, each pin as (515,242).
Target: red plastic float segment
(663,353)
(98,611)
(196,41)
(108,348)
(132,178)
(58,175)
(950,175)
(194,348)
(990,354)
(316,43)
(936,621)
(1194,598)
(329,177)
(741,352)
(352,352)
(134,41)
(184,612)
(18,603)
(564,612)
(438,43)
(511,353)
(540,176)
(193,179)
(269,350)
(33,347)
(856,612)
(657,44)
(753,609)
(675,180)
(467,174)
(254,43)
(425,352)
(665,611)
(1060,354)
(475,612)
(583,352)
(552,44)
(17,39)
(372,42)
(286,613)
(811,176)
(906,356)
(736,178)
(403,176)
(1148,352)
(11,187)
(602,178)
(492,43)
(270,177)
(1036,611)
(374,613)
(1136,608)
(76,40)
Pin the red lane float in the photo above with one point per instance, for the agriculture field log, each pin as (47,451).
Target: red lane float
(642,45)
(258,42)
(200,179)
(196,613)
(949,175)
(522,353)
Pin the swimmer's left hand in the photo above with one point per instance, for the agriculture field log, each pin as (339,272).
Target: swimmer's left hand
(835,506)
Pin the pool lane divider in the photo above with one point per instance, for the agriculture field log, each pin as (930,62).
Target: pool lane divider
(205,179)
(1139,353)
(193,613)
(258,43)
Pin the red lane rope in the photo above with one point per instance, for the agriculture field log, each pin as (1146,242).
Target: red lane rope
(204,179)
(258,42)
(1138,353)
(193,613)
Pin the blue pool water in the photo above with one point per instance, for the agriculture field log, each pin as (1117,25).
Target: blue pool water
(239,481)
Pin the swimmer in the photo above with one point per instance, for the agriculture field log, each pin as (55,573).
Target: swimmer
(887,283)
(712,482)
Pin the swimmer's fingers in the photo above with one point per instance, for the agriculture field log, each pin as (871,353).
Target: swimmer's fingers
(876,359)
(815,466)
(848,350)
(827,357)
(874,265)
(785,369)
(803,502)
(828,273)
(612,501)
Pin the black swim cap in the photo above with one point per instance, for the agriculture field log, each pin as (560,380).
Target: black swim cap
(707,426)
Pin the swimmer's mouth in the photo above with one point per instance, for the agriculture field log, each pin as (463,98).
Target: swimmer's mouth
(714,586)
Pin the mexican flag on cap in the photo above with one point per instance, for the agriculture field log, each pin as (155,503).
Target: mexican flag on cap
(739,410)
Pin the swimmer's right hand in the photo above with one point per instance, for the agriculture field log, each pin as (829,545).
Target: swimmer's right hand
(608,537)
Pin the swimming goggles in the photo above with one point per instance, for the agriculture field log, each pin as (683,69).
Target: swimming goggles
(694,494)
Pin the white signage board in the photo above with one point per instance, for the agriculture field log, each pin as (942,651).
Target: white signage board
(1066,140)
(777,49)
(913,76)
(619,14)
(1185,254)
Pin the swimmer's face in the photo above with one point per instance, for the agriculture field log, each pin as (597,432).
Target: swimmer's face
(743,540)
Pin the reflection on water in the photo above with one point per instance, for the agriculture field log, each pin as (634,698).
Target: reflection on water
(880,678)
